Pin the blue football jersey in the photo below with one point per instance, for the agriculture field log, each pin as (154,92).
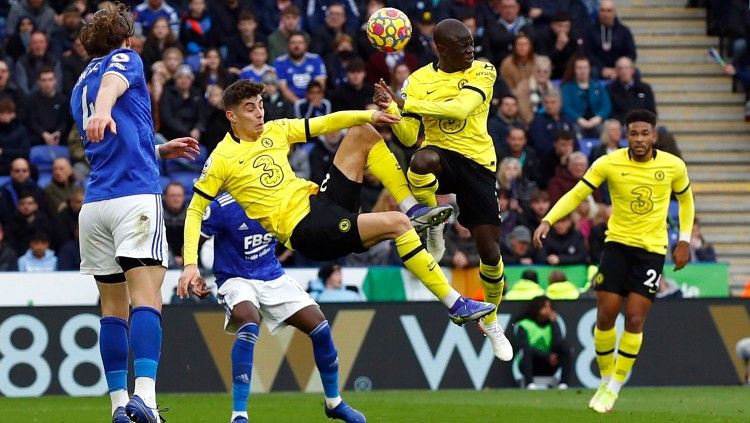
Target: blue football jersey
(298,75)
(122,164)
(242,248)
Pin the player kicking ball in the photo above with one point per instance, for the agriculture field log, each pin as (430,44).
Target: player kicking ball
(252,284)
(321,222)
(452,99)
(641,181)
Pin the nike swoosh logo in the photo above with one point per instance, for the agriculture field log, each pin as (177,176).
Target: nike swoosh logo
(431,266)
(242,161)
(430,92)
(625,173)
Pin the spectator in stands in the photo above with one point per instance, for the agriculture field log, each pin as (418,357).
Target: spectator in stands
(174,220)
(421,45)
(564,245)
(560,288)
(627,93)
(160,38)
(146,14)
(63,36)
(560,41)
(481,47)
(180,107)
(517,147)
(544,127)
(275,105)
(197,32)
(225,15)
(538,208)
(298,68)
(14,141)
(531,92)
(510,217)
(8,257)
(400,74)
(519,66)
(73,64)
(67,216)
(38,257)
(542,12)
(502,31)
(69,254)
(334,290)
(50,111)
(314,104)
(562,147)
(61,187)
(739,69)
(8,89)
(354,94)
(584,100)
(217,124)
(17,43)
(500,123)
(541,344)
(516,247)
(566,177)
(322,36)
(317,13)
(321,155)
(608,40)
(213,71)
(258,66)
(290,23)
(381,64)
(337,60)
(584,216)
(525,289)
(240,45)
(510,178)
(38,57)
(38,11)
(700,249)
(609,140)
(28,218)
(598,234)
(460,247)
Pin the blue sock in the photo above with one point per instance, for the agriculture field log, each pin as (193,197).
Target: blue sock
(326,359)
(242,365)
(145,335)
(113,347)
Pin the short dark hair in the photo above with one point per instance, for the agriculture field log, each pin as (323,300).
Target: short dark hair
(39,235)
(640,115)
(240,90)
(356,65)
(246,15)
(26,194)
(257,46)
(295,34)
(291,10)
(314,84)
(563,134)
(45,69)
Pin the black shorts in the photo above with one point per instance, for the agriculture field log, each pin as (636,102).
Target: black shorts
(474,186)
(330,230)
(624,269)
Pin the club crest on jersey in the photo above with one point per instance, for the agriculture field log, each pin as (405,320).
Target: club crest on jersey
(204,172)
(345,225)
(659,175)
(451,126)
(461,83)
(266,142)
(120,57)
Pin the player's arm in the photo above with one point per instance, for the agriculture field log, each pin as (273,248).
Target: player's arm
(681,188)
(110,89)
(407,129)
(301,130)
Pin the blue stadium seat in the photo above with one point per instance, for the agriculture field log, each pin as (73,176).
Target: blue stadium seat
(187,179)
(588,144)
(163,181)
(42,156)
(44,179)
(4,180)
(185,165)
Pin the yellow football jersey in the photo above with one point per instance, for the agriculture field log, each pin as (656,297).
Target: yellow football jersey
(259,177)
(640,193)
(453,108)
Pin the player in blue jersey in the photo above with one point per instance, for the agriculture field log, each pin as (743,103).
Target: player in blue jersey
(121,224)
(253,284)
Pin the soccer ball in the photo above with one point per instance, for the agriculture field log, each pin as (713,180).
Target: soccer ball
(388,29)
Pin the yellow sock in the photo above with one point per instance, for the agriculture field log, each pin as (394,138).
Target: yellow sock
(627,351)
(493,282)
(604,343)
(424,187)
(383,164)
(423,266)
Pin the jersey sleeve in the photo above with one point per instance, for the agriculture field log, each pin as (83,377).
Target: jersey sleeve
(320,69)
(127,65)
(407,129)
(681,187)
(301,130)
(482,79)
(212,177)
(590,181)
(597,173)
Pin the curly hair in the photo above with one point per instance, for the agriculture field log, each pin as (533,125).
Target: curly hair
(107,30)
(241,90)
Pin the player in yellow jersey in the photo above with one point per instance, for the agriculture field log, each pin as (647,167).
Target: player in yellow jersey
(321,222)
(641,181)
(452,99)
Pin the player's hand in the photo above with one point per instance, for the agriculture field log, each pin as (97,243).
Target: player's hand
(383,87)
(681,255)
(200,288)
(540,234)
(98,125)
(186,148)
(188,278)
(383,118)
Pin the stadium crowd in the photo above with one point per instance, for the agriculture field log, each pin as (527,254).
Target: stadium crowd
(566,78)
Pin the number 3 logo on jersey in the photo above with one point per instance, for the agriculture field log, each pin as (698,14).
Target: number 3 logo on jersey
(272,175)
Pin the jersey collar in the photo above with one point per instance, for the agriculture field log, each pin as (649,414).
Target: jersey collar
(653,152)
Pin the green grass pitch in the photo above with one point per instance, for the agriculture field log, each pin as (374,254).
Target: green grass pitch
(702,404)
